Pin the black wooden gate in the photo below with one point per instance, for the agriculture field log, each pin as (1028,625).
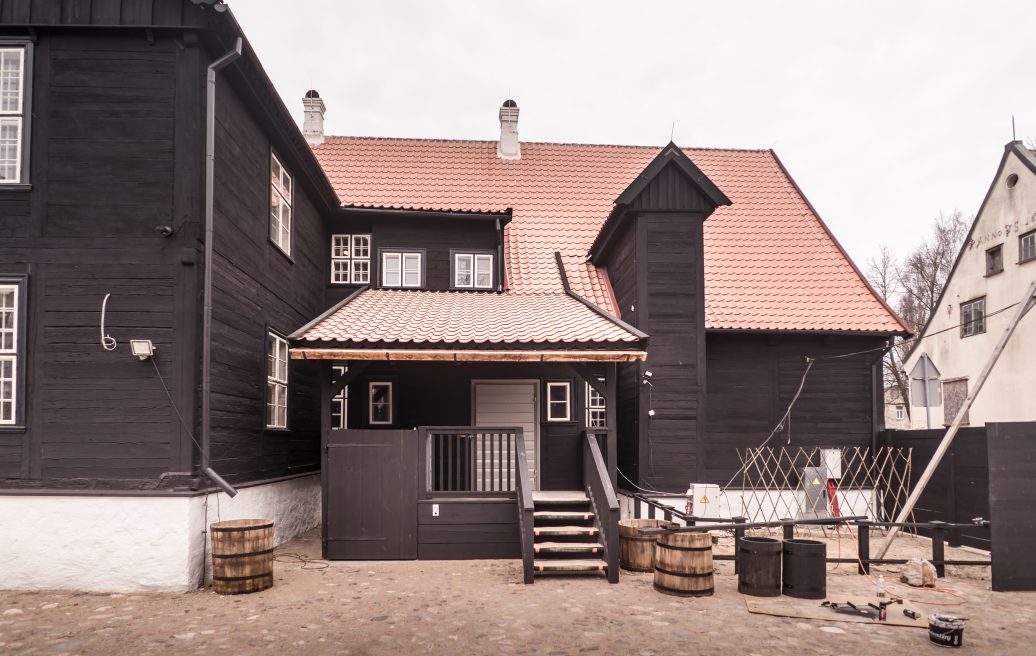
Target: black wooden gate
(370,494)
(1012,487)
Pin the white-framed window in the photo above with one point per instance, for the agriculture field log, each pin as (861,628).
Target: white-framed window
(401,269)
(280,205)
(276,381)
(8,353)
(559,401)
(900,413)
(340,401)
(12,112)
(973,317)
(596,411)
(1027,247)
(473,270)
(379,408)
(350,259)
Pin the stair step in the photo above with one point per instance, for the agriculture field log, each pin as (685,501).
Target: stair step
(570,566)
(569,515)
(568,547)
(559,497)
(570,531)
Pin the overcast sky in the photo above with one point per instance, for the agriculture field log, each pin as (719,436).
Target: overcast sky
(885,112)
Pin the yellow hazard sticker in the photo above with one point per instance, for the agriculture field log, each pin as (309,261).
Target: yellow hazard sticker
(704,500)
(816,481)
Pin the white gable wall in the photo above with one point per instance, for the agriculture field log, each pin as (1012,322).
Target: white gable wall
(1008,393)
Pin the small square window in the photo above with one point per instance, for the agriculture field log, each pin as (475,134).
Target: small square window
(380,405)
(900,413)
(995,260)
(559,401)
(973,317)
(1027,247)
(473,270)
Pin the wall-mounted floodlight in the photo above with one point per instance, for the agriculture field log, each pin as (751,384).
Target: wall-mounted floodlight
(142,348)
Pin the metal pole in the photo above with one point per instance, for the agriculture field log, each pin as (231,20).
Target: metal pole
(947,440)
(927,401)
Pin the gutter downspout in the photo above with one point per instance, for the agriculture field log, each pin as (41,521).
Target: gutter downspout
(878,395)
(206,323)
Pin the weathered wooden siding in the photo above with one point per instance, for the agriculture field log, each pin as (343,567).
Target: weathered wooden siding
(753,378)
(105,145)
(257,287)
(467,529)
(675,320)
(154,13)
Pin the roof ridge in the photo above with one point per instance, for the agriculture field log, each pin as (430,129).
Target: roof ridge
(344,137)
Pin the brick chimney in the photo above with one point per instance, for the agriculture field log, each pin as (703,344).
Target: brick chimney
(508,147)
(313,118)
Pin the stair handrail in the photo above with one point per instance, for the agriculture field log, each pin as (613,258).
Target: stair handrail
(604,500)
(526,507)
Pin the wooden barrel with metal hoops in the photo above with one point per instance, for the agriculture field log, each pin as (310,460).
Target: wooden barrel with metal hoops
(242,555)
(636,550)
(683,564)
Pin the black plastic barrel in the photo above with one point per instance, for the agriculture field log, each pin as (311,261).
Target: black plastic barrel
(805,569)
(759,566)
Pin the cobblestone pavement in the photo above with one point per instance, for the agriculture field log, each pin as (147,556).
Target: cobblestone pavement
(478,607)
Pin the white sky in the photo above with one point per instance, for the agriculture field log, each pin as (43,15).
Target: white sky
(885,112)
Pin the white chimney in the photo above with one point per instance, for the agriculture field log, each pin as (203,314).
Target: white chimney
(313,118)
(509,148)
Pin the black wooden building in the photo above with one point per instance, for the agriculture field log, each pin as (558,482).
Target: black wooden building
(469,340)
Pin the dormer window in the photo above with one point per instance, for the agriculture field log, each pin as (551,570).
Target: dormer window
(473,270)
(350,259)
(402,269)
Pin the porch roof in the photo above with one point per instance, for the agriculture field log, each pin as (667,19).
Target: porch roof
(441,322)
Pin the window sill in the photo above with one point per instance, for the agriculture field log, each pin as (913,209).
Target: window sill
(280,251)
(990,274)
(1031,259)
(13,428)
(277,431)
(15,187)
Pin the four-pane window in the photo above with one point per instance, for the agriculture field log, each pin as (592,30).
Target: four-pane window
(380,408)
(12,113)
(473,270)
(1027,247)
(559,401)
(280,205)
(340,401)
(401,269)
(973,317)
(8,352)
(276,381)
(351,259)
(596,412)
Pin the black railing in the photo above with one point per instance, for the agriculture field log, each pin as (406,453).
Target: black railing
(470,460)
(526,508)
(605,504)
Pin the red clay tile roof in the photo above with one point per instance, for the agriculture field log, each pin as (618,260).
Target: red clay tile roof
(770,262)
(481,318)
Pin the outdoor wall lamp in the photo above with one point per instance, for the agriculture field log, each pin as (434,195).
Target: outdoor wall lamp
(142,348)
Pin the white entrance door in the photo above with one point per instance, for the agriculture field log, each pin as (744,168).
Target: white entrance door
(503,404)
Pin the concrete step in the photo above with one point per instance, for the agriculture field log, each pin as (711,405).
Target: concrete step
(561,515)
(559,497)
(571,566)
(568,547)
(564,531)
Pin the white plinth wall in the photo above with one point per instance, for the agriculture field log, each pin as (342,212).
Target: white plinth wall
(135,543)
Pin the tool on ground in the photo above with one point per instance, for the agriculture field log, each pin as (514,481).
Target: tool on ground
(912,614)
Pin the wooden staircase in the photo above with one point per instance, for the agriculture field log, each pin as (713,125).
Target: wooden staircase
(566,537)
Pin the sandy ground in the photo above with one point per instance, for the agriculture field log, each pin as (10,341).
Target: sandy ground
(479,607)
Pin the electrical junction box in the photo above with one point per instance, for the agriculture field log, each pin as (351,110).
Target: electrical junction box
(832,459)
(706,499)
(812,494)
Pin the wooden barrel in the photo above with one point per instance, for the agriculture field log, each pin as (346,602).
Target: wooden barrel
(683,564)
(636,550)
(759,566)
(242,555)
(804,573)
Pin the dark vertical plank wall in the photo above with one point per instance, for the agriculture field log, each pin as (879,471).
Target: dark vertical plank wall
(157,13)
(753,378)
(104,151)
(256,287)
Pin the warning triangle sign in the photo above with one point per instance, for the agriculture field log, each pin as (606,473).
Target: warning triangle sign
(704,499)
